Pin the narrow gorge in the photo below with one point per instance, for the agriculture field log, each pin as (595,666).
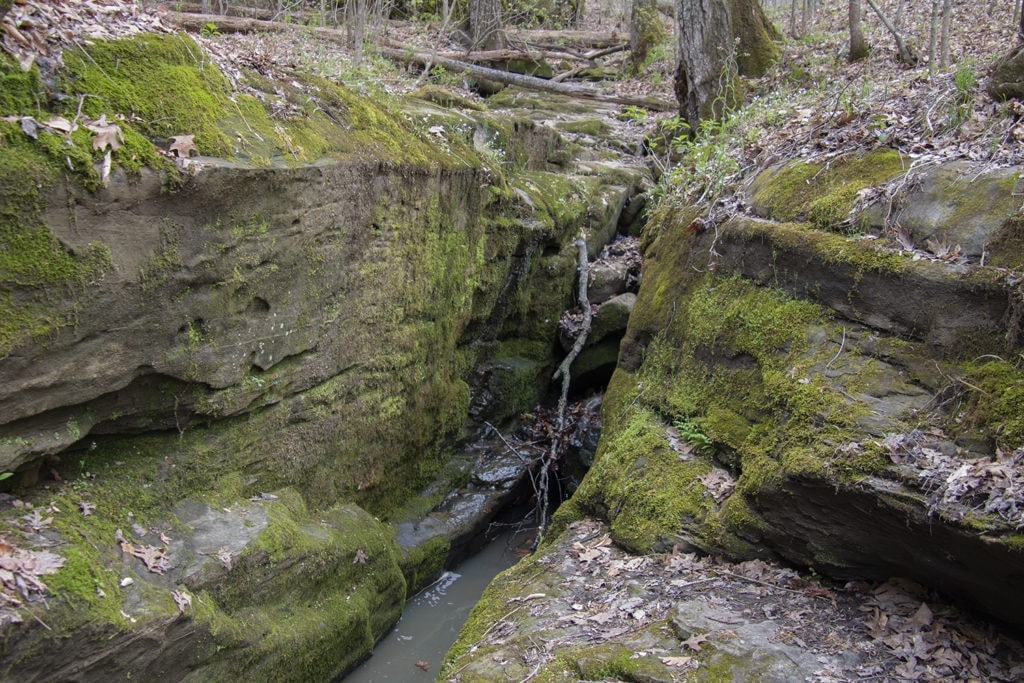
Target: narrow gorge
(276,350)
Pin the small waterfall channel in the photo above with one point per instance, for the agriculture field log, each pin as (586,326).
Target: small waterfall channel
(491,525)
(433,617)
(503,487)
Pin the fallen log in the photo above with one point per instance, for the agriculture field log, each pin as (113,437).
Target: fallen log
(528,82)
(591,39)
(197,22)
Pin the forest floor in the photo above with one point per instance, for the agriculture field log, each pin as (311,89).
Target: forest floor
(813,105)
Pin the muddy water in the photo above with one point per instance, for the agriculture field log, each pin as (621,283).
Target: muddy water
(432,619)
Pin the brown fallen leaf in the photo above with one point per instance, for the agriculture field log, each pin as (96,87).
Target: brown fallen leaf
(183,146)
(60,124)
(922,617)
(360,557)
(182,599)
(694,641)
(154,558)
(423,665)
(223,556)
(105,134)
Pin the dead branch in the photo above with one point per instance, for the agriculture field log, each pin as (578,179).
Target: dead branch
(907,55)
(583,274)
(196,22)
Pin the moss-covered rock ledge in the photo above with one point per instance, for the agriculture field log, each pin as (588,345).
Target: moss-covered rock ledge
(836,394)
(793,392)
(224,380)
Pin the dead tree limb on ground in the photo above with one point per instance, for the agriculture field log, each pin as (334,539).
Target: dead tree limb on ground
(196,22)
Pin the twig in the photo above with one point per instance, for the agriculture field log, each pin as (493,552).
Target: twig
(511,450)
(41,622)
(758,581)
(841,346)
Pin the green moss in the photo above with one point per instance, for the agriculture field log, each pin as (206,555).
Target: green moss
(995,400)
(312,599)
(421,564)
(161,81)
(859,255)
(616,662)
(165,88)
(445,97)
(91,591)
(1006,248)
(37,273)
(593,127)
(734,362)
(21,92)
(824,194)
(640,485)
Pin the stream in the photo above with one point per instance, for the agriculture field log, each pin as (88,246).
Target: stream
(433,617)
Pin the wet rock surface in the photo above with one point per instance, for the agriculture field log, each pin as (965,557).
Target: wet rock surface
(668,617)
(497,479)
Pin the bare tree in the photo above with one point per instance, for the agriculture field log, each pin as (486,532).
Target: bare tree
(933,34)
(907,55)
(858,48)
(486,31)
(716,41)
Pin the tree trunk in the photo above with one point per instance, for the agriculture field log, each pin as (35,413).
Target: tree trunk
(716,41)
(947,10)
(485,27)
(645,30)
(858,48)
(933,36)
(907,55)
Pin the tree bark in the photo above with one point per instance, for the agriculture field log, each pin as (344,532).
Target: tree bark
(858,48)
(485,26)
(947,10)
(716,41)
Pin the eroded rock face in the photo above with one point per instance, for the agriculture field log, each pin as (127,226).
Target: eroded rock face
(271,360)
(801,361)
(792,390)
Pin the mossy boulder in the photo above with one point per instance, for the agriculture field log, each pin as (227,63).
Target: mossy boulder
(786,365)
(823,194)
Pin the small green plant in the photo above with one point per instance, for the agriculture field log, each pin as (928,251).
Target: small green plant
(633,113)
(209,30)
(965,78)
(962,106)
(692,434)
(442,76)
